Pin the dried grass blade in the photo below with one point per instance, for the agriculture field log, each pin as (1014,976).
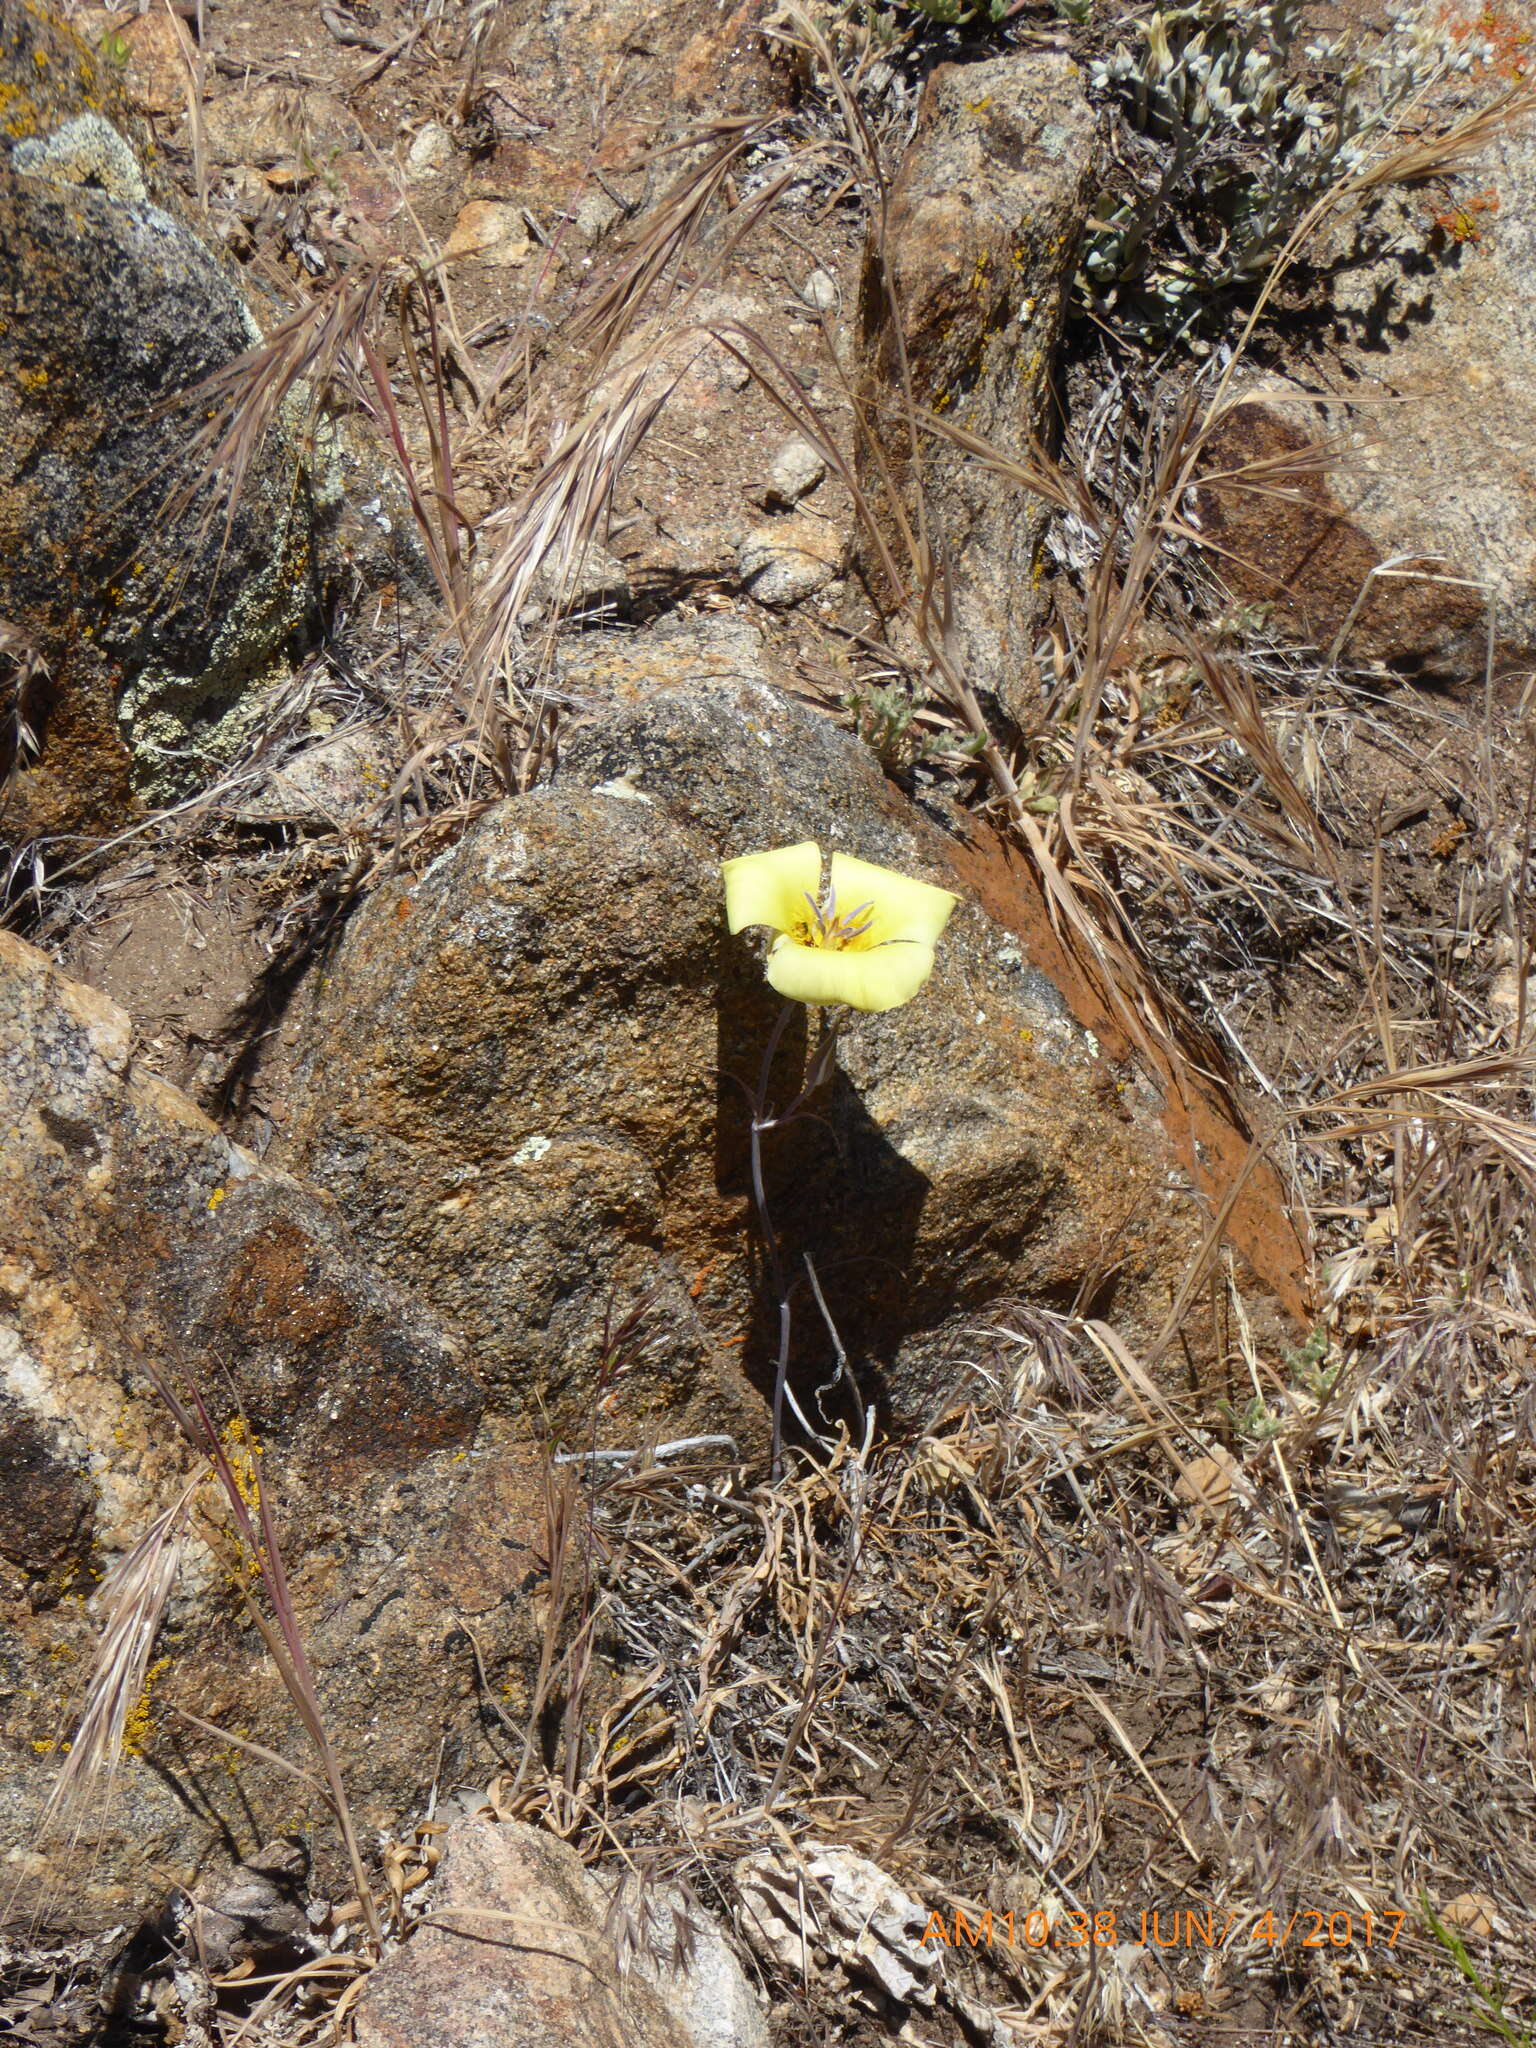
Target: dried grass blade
(132,1601)
(240,403)
(563,510)
(669,228)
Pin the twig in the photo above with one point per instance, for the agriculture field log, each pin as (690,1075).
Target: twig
(672,1450)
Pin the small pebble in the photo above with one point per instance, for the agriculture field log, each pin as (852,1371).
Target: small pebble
(595,214)
(820,291)
(431,148)
(794,473)
(789,559)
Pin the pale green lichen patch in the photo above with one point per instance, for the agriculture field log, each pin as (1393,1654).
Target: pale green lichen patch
(180,727)
(84,151)
(185,731)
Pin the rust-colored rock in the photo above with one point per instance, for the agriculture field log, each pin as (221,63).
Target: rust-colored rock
(152,51)
(116,1187)
(1301,548)
(134,1235)
(1418,371)
(492,230)
(523,1086)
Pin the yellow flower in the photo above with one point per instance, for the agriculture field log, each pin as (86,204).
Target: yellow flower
(867,939)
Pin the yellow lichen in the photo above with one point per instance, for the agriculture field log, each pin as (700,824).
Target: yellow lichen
(136,1722)
(17,111)
(243,1451)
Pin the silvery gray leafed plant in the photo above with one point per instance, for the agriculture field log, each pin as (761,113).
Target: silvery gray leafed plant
(1242,141)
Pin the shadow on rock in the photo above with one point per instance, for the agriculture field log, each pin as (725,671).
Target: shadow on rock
(845,1205)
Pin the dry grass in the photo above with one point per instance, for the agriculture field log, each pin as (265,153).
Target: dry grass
(131,1602)
(1038,1658)
(224,1511)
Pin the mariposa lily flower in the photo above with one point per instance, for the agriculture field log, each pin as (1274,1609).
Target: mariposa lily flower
(866,938)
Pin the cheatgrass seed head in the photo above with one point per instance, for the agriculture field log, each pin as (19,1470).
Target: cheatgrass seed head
(864,936)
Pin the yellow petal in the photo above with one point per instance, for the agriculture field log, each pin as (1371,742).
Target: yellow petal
(901,908)
(771,888)
(883,978)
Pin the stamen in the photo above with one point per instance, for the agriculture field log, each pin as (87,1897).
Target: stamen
(828,929)
(854,928)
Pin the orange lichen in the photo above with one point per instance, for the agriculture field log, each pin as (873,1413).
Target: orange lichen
(1463,220)
(136,1722)
(1506,30)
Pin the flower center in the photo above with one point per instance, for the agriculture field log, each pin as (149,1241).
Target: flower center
(830,930)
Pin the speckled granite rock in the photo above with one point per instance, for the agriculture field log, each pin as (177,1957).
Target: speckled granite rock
(522,1086)
(521,1953)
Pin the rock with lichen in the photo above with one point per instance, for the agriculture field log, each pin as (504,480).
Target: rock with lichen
(154,624)
(985,214)
(523,1080)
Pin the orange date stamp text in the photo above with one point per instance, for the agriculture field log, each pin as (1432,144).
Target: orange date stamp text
(1183,1927)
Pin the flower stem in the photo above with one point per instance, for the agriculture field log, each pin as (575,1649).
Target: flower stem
(816,1073)
(762,1122)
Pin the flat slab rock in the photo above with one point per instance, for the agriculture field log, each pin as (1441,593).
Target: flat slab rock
(519,1951)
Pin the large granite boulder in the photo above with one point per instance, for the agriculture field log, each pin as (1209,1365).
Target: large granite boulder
(523,1086)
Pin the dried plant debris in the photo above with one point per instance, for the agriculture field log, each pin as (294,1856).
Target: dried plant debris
(1099,1697)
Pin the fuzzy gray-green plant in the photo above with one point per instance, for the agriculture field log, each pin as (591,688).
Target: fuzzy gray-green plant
(950,13)
(1230,132)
